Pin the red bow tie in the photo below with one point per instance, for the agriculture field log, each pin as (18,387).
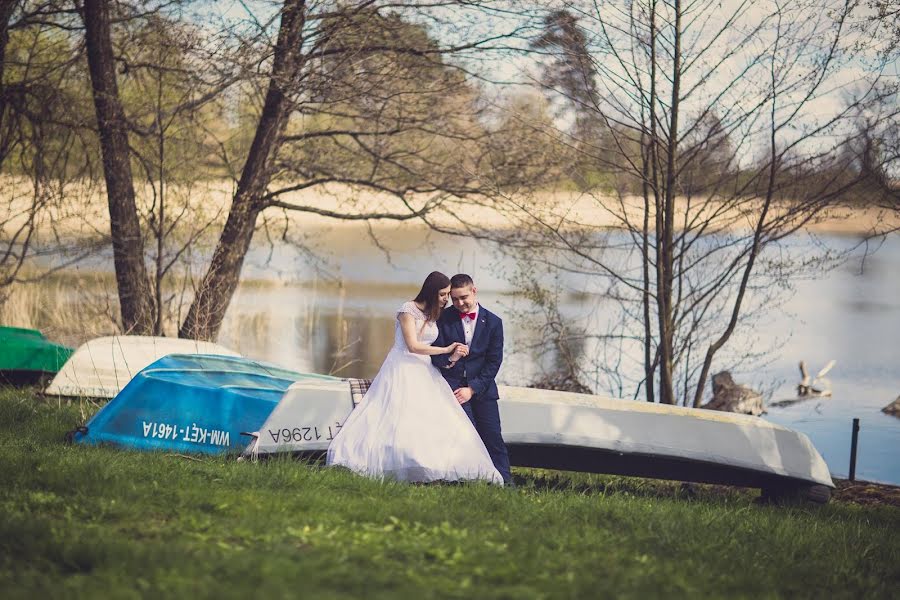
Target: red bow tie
(470,315)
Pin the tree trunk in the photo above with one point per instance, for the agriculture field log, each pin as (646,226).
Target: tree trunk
(667,239)
(648,171)
(204,318)
(135,297)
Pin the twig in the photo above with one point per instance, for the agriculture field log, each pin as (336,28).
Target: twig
(194,458)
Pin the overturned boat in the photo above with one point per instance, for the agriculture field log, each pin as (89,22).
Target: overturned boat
(306,419)
(27,357)
(581,432)
(190,403)
(103,366)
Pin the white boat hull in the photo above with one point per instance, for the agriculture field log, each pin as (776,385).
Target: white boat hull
(103,366)
(582,432)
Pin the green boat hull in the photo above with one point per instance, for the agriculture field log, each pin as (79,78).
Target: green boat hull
(27,357)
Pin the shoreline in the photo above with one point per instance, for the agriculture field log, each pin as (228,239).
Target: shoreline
(866,492)
(84,214)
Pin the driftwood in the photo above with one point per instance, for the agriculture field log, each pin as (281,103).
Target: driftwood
(893,408)
(729,396)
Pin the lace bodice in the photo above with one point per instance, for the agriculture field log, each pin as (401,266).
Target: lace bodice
(426,332)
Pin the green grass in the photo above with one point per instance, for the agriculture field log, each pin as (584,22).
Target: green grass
(95,522)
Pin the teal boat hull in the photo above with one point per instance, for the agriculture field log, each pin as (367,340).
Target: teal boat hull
(191,404)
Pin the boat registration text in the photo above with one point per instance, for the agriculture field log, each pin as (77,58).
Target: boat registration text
(188,433)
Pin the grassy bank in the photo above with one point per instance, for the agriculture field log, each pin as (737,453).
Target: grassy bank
(94,522)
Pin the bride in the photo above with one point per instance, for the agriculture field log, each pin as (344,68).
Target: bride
(409,426)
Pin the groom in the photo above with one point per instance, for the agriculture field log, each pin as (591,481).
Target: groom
(470,371)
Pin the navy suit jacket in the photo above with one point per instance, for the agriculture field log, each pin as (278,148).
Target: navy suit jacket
(480,367)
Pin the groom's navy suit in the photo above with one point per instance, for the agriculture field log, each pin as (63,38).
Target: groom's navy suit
(477,371)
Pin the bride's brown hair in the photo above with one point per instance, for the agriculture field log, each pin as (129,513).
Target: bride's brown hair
(428,295)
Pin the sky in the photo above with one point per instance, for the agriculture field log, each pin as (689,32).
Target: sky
(734,87)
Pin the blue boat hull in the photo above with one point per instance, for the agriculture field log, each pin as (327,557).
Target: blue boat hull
(192,404)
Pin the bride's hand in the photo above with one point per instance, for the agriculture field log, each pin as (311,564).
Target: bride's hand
(451,348)
(458,351)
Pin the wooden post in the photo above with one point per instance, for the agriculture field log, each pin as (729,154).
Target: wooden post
(853,440)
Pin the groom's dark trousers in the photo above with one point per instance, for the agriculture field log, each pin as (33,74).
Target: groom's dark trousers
(477,371)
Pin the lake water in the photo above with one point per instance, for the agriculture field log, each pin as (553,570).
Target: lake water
(335,315)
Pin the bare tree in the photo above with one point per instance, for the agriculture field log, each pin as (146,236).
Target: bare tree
(152,43)
(14,248)
(360,96)
(880,22)
(357,95)
(6,12)
(206,313)
(41,143)
(170,100)
(872,151)
(135,296)
(720,151)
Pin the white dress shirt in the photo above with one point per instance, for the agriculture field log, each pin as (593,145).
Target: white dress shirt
(469,326)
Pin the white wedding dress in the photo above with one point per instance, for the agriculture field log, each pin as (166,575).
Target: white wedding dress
(409,425)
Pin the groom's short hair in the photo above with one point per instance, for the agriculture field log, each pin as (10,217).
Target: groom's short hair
(461,280)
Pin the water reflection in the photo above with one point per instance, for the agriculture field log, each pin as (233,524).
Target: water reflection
(329,331)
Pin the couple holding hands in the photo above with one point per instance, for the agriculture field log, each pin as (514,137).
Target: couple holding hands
(431,412)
